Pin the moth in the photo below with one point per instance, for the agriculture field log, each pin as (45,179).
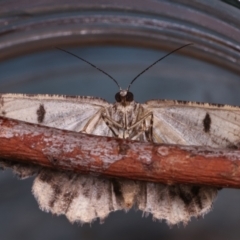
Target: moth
(85,198)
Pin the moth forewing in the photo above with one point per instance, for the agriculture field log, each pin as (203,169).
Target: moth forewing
(59,111)
(191,123)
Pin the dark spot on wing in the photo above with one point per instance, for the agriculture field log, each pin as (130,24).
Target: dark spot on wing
(85,191)
(172,192)
(41,113)
(110,200)
(69,196)
(197,196)
(186,197)
(25,170)
(3,113)
(56,192)
(117,189)
(207,123)
(195,190)
(46,176)
(57,189)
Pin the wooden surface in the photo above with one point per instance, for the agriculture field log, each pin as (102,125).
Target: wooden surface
(59,149)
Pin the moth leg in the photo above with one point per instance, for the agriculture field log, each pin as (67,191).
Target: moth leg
(145,129)
(109,119)
(89,127)
(140,120)
(148,130)
(137,135)
(110,126)
(111,123)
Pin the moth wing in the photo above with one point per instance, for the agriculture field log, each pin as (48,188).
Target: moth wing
(175,203)
(69,113)
(190,123)
(81,198)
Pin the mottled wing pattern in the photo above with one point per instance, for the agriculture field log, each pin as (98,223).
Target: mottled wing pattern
(81,198)
(63,112)
(21,170)
(175,203)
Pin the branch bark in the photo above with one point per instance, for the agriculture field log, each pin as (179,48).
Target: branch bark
(112,157)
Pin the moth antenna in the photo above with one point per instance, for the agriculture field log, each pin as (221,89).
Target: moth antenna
(157,62)
(89,64)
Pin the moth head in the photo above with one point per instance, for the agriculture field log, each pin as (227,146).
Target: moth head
(124,97)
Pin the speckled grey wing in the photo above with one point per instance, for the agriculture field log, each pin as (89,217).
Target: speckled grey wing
(175,203)
(81,198)
(190,123)
(63,112)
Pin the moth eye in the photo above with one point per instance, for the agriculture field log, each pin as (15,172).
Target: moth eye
(118,97)
(129,97)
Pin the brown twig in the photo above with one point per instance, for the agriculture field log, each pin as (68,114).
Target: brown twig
(112,157)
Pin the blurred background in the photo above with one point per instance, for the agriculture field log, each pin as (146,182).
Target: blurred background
(122,39)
